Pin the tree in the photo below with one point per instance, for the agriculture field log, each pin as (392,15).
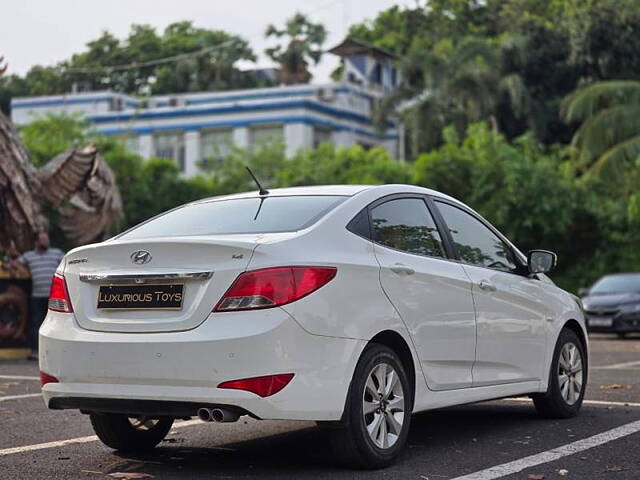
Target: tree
(213,70)
(399,28)
(328,164)
(304,45)
(52,134)
(394,29)
(455,85)
(544,50)
(210,67)
(199,59)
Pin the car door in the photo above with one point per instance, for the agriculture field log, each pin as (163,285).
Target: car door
(510,306)
(431,293)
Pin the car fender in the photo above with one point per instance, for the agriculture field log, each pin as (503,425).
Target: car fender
(567,311)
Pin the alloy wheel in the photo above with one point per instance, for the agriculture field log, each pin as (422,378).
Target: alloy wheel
(383,405)
(570,376)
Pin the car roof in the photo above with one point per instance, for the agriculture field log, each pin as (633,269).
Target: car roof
(341,190)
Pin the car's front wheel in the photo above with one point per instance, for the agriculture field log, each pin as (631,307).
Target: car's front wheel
(378,411)
(567,379)
(130,434)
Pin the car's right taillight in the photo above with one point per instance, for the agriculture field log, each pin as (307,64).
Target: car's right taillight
(59,300)
(272,287)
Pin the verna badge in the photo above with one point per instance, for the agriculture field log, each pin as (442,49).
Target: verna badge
(140,257)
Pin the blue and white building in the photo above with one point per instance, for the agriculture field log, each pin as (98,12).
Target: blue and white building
(192,127)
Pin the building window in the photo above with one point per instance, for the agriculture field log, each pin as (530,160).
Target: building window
(267,134)
(321,135)
(215,146)
(116,104)
(171,146)
(376,74)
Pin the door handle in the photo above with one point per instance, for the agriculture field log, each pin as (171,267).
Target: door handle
(401,269)
(487,286)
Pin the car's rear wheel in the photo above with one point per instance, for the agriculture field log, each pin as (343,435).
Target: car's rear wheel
(567,379)
(130,434)
(378,411)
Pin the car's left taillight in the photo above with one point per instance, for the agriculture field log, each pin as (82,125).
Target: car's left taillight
(59,300)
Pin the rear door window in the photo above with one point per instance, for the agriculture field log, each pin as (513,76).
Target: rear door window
(241,215)
(405,224)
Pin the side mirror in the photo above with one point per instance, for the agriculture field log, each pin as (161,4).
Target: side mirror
(541,261)
(583,292)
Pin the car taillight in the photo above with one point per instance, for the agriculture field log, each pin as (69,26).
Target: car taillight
(59,295)
(272,287)
(46,378)
(263,386)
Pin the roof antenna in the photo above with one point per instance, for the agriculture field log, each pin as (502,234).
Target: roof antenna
(262,190)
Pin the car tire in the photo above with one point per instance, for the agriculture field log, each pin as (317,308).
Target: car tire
(568,370)
(351,441)
(621,335)
(130,434)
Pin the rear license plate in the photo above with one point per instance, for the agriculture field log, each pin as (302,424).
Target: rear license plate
(600,322)
(148,297)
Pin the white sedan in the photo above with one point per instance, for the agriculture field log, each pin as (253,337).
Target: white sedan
(353,306)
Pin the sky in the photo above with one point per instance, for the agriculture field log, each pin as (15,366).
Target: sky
(43,32)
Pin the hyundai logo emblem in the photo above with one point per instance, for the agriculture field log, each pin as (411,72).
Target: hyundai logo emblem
(140,257)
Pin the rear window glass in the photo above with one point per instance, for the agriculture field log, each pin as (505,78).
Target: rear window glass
(243,215)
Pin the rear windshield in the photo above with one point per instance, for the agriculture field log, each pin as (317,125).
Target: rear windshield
(243,215)
(616,284)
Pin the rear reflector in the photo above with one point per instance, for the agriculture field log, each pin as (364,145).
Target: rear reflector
(272,287)
(46,378)
(59,295)
(263,386)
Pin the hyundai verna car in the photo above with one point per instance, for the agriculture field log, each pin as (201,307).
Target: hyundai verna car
(612,304)
(353,306)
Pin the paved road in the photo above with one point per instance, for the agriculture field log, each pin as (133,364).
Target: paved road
(503,439)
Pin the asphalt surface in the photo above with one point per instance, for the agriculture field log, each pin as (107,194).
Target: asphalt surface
(469,440)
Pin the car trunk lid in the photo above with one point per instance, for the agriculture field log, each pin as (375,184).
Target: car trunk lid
(200,268)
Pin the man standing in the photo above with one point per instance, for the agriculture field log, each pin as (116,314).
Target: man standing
(42,263)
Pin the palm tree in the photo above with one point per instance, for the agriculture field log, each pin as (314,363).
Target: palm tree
(609,114)
(304,46)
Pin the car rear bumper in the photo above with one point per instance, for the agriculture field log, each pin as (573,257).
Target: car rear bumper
(103,371)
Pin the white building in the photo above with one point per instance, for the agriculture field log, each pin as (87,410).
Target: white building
(192,127)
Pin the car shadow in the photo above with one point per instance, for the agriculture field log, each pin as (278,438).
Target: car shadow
(439,441)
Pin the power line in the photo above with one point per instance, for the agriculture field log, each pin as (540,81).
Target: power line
(150,63)
(172,58)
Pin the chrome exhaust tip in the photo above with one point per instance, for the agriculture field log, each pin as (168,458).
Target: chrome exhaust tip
(205,414)
(222,415)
